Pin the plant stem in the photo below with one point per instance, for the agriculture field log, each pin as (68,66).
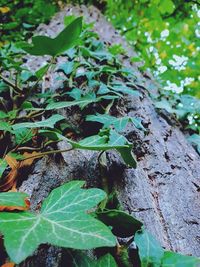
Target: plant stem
(14,86)
(47,153)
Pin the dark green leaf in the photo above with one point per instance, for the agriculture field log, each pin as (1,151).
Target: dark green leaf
(123,224)
(3,166)
(43,45)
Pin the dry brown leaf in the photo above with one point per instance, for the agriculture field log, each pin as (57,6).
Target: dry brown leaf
(16,167)
(8,264)
(12,162)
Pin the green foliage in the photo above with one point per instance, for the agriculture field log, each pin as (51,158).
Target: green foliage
(165,35)
(20,17)
(63,221)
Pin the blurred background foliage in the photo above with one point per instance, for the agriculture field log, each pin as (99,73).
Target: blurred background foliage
(165,34)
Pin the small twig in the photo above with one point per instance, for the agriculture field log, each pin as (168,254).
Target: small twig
(15,87)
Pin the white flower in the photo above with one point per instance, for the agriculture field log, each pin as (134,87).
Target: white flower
(162,69)
(178,63)
(164,33)
(197,32)
(173,87)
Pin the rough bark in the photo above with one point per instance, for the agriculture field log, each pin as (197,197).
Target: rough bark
(161,191)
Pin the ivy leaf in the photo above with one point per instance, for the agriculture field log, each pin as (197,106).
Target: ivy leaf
(3,115)
(118,123)
(5,126)
(43,45)
(23,135)
(123,224)
(50,122)
(13,201)
(79,259)
(150,251)
(82,102)
(121,88)
(172,259)
(63,221)
(67,67)
(107,120)
(138,123)
(110,140)
(164,104)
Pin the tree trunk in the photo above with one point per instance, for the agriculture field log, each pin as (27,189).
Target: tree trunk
(161,191)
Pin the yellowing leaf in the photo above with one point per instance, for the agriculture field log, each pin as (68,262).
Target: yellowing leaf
(4,9)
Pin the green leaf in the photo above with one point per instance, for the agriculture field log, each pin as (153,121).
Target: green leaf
(107,120)
(138,123)
(3,115)
(166,6)
(150,251)
(42,71)
(84,101)
(103,89)
(50,122)
(113,140)
(172,259)
(43,45)
(164,104)
(5,126)
(63,221)
(118,123)
(69,19)
(3,87)
(3,166)
(102,142)
(22,135)
(121,88)
(123,224)
(13,199)
(67,67)
(79,259)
